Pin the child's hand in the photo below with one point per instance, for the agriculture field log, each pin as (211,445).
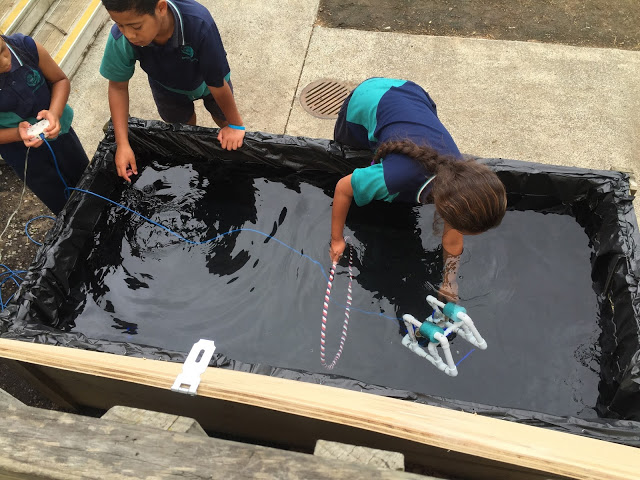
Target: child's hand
(336,249)
(125,162)
(230,138)
(33,142)
(53,129)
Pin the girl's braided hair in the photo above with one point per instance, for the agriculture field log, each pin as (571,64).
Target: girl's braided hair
(467,195)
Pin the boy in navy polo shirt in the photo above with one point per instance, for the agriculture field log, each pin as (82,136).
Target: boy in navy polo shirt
(178,45)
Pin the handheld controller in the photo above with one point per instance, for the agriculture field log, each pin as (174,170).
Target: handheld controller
(35,130)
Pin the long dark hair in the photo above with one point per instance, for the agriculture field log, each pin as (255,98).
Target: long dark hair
(467,195)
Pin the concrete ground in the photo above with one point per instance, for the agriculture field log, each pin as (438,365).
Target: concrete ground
(536,102)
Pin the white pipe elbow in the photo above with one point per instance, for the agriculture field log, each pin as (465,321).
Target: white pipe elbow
(412,320)
(452,372)
(434,302)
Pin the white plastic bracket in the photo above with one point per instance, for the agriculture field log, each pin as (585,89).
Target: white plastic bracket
(195,365)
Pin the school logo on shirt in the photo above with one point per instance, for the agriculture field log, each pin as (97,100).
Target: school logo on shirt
(188,53)
(34,79)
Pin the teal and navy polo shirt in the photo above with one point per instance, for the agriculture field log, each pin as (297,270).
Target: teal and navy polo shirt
(192,59)
(384,109)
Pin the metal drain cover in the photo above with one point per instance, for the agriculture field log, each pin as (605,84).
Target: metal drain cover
(324,98)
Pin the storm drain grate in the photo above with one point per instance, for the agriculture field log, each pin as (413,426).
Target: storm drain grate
(324,98)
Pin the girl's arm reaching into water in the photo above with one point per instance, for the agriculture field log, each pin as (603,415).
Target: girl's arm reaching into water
(452,246)
(452,240)
(341,203)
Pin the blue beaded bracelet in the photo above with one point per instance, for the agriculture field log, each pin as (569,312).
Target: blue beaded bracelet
(236,127)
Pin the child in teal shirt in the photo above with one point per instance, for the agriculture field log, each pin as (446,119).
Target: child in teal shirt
(415,161)
(178,45)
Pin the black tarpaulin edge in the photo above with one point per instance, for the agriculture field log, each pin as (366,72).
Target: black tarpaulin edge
(38,305)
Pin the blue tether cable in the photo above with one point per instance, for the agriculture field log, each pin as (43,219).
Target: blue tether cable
(55,162)
(26,227)
(9,275)
(191,242)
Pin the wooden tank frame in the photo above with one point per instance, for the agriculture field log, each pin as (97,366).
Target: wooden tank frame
(295,414)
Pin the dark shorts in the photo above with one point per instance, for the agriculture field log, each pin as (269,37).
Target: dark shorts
(42,176)
(340,129)
(176,107)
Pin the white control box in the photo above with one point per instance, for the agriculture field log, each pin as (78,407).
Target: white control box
(38,128)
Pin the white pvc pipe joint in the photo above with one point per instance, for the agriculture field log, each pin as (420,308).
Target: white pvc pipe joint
(433,301)
(450,368)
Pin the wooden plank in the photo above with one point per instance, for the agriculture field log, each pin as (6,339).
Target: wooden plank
(149,418)
(6,399)
(80,37)
(273,427)
(373,457)
(542,450)
(58,23)
(7,9)
(43,444)
(10,11)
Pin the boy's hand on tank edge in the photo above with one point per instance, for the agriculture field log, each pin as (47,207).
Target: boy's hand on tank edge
(28,141)
(336,249)
(125,162)
(230,138)
(53,130)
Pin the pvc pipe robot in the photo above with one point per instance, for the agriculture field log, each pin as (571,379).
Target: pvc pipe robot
(444,320)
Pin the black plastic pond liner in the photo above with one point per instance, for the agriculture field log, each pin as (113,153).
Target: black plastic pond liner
(598,200)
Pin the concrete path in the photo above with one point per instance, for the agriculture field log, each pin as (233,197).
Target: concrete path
(527,101)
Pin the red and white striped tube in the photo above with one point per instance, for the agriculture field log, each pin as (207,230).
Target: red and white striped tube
(325,309)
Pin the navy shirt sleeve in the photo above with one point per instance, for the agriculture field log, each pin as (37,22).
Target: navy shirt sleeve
(213,58)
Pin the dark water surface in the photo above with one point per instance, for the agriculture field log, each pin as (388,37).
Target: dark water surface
(526,284)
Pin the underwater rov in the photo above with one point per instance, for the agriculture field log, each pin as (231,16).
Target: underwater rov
(444,320)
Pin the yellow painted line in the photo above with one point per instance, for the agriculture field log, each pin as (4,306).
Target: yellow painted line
(13,14)
(77,29)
